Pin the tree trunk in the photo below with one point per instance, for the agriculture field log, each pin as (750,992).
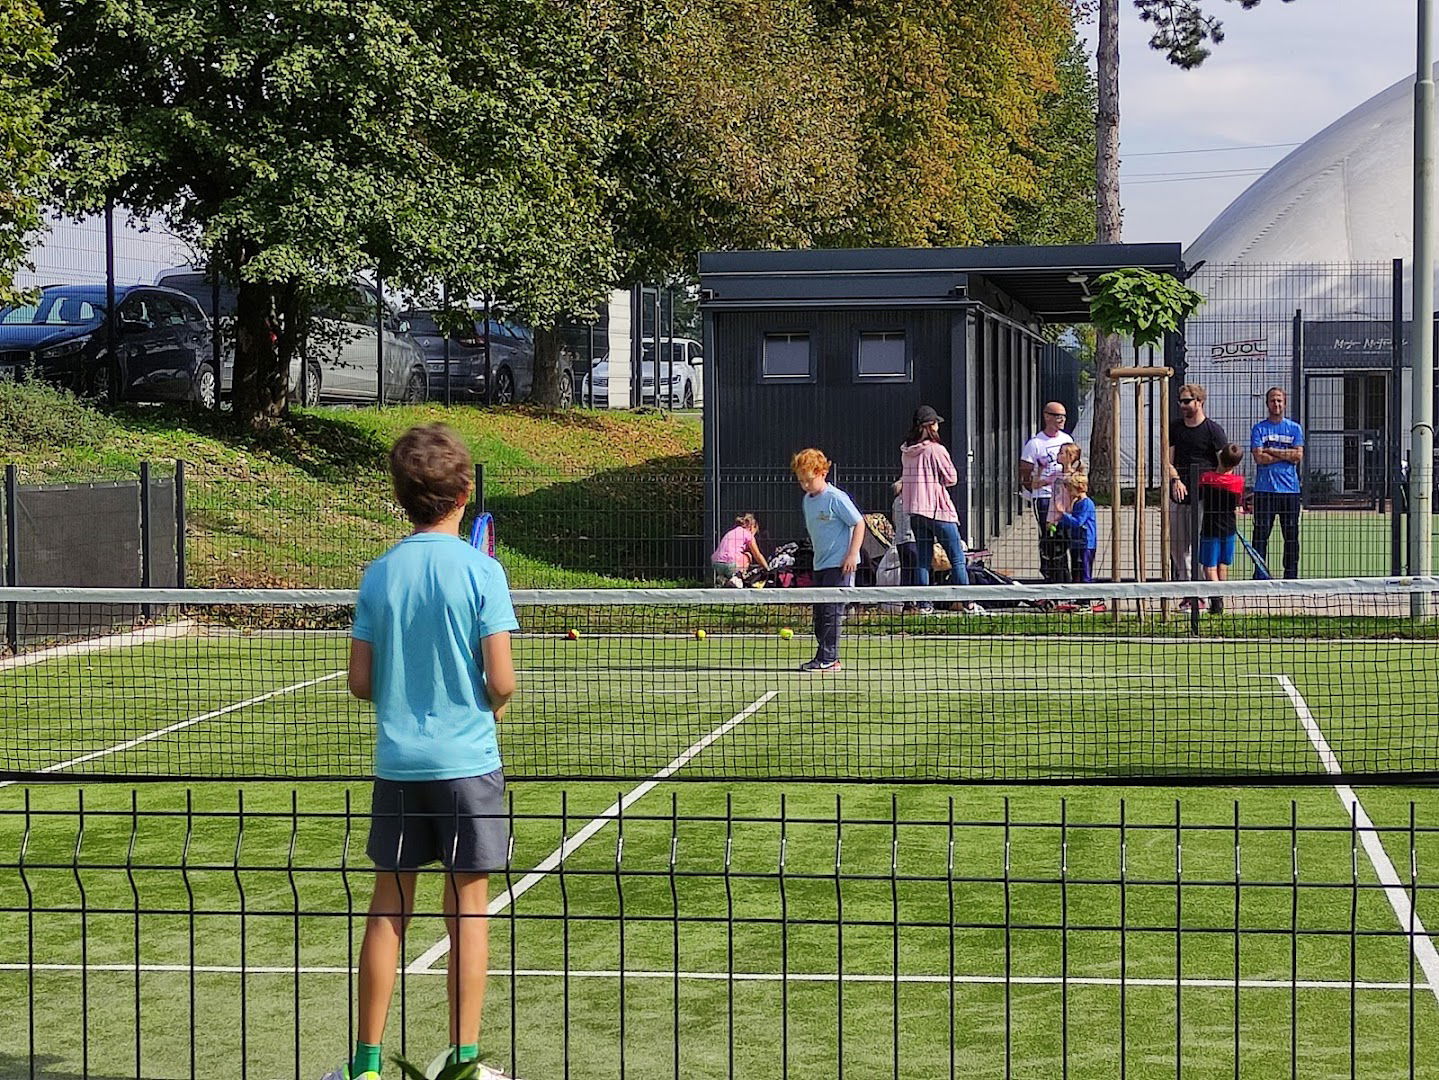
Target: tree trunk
(260,382)
(550,370)
(1109,230)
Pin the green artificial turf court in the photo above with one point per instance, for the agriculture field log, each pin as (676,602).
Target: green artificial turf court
(700,927)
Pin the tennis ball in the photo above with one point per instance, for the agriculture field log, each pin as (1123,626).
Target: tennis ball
(699,635)
(572,634)
(786,633)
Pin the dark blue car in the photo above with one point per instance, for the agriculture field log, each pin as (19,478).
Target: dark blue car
(162,344)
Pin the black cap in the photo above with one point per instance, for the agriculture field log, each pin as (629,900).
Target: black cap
(926,415)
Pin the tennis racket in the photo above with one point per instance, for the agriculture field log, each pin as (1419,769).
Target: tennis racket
(1261,568)
(482,533)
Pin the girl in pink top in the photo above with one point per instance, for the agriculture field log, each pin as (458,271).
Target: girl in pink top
(736,548)
(927,471)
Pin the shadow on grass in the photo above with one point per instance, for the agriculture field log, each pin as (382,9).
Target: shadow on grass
(641,522)
(327,446)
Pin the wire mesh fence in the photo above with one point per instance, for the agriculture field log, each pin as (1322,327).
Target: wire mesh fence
(1240,682)
(709,934)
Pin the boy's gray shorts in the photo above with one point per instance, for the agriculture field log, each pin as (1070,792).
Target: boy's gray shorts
(462,823)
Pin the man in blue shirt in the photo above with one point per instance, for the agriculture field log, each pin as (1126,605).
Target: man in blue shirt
(1277,444)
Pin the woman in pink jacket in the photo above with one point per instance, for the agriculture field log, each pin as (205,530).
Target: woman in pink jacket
(928,471)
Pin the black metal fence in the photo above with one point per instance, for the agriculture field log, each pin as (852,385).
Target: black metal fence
(806,935)
(212,526)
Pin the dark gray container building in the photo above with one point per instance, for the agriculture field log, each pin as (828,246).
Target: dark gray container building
(836,348)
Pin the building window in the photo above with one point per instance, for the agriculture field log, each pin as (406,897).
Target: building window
(787,356)
(882,355)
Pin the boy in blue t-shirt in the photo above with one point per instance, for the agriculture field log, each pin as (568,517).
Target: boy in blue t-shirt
(1277,444)
(836,531)
(430,648)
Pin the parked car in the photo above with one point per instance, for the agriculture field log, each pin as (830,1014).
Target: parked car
(512,360)
(677,384)
(162,343)
(337,359)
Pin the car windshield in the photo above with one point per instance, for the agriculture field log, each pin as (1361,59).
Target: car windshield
(421,322)
(55,308)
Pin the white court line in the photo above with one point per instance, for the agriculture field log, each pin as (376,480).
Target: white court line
(112,641)
(182,725)
(571,843)
(1420,942)
(752,976)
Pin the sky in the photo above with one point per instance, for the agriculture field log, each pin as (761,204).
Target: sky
(1284,72)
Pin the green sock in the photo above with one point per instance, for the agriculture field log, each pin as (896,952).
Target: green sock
(367,1059)
(465,1052)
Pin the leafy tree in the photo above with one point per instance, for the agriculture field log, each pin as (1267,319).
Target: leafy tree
(954,95)
(1062,151)
(1181,28)
(26,58)
(297,142)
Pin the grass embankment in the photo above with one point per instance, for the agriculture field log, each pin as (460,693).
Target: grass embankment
(582,498)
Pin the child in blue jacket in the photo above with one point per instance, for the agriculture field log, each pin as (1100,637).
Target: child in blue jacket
(1083,524)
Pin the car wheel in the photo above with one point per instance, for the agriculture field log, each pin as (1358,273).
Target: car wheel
(504,387)
(105,383)
(417,387)
(567,390)
(309,388)
(205,390)
(689,399)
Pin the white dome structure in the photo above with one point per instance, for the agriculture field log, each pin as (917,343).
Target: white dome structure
(1345,195)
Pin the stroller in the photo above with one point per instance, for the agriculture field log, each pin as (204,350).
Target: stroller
(791,566)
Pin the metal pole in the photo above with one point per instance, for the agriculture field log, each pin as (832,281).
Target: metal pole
(380,335)
(12,554)
(1421,443)
(180,517)
(112,354)
(216,334)
(637,332)
(590,365)
(657,351)
(1393,439)
(670,335)
(147,549)
(489,373)
(445,311)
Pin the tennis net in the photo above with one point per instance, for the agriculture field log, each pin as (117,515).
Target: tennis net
(1123,683)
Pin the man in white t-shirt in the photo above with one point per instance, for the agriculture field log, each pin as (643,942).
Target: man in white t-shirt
(1038,466)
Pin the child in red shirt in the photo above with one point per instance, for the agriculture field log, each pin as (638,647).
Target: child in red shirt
(1220,492)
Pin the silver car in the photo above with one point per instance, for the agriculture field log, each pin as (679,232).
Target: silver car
(339,358)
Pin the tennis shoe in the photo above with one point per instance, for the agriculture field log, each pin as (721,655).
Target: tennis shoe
(1216,605)
(482,1071)
(820,667)
(343,1073)
(972,608)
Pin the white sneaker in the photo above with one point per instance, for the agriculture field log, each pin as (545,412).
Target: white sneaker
(483,1072)
(972,608)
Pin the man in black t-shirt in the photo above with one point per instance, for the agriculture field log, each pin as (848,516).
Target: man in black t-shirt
(1195,442)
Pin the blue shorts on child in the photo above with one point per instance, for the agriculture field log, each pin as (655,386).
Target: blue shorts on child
(1214,550)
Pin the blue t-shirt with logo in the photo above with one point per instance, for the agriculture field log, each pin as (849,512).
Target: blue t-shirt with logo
(830,518)
(424,606)
(1283,476)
